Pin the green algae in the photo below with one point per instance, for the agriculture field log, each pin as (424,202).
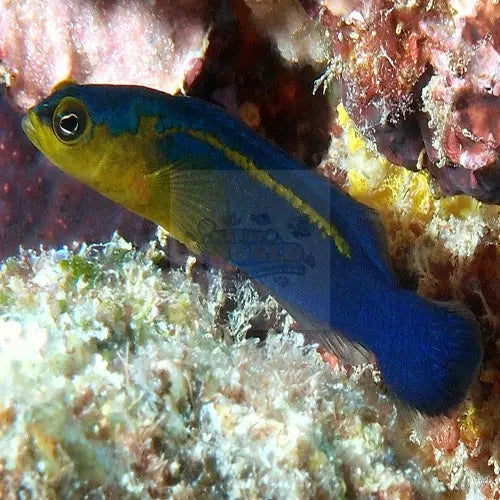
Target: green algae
(79,268)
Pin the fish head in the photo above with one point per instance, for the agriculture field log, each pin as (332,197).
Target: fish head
(61,127)
(99,135)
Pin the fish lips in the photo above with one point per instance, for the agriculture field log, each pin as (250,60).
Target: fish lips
(28,126)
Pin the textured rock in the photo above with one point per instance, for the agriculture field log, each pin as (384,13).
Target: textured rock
(105,359)
(423,75)
(157,44)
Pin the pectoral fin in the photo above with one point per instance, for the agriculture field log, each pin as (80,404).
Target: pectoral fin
(191,203)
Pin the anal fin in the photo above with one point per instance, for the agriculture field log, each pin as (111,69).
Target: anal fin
(346,350)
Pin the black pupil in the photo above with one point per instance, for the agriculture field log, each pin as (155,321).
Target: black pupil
(69,124)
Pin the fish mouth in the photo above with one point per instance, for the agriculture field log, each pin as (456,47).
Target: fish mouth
(29,129)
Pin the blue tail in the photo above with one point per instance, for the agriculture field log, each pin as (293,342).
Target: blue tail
(429,353)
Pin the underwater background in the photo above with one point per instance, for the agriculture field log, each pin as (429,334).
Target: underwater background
(131,369)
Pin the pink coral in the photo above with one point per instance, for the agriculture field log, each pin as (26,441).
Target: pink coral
(421,75)
(156,44)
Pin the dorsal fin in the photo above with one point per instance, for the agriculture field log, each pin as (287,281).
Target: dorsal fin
(370,233)
(63,83)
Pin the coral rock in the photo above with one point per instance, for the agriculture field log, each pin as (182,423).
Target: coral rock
(421,75)
(156,44)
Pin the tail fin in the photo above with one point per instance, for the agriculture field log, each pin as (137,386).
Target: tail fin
(430,353)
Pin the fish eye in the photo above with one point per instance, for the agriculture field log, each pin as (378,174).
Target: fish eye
(70,120)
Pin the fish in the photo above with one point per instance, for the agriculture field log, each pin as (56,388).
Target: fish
(225,191)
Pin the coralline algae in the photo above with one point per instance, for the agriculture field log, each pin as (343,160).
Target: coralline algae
(418,75)
(113,384)
(157,44)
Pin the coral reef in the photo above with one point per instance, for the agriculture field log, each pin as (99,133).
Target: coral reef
(418,75)
(448,249)
(157,44)
(255,71)
(107,360)
(437,244)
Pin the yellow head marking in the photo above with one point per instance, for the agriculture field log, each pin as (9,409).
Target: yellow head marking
(114,165)
(64,138)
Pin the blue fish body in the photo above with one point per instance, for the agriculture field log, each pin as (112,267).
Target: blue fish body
(318,252)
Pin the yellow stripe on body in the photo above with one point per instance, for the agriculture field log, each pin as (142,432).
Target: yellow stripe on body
(262,176)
